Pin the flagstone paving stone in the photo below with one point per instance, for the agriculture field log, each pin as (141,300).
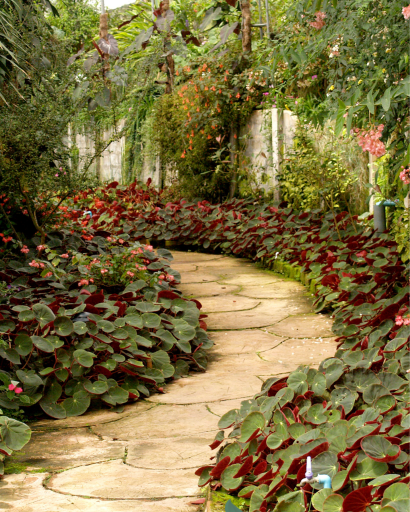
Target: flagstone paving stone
(304,326)
(243,342)
(227,303)
(144,457)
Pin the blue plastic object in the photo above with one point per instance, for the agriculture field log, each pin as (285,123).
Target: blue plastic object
(88,213)
(230,507)
(325,480)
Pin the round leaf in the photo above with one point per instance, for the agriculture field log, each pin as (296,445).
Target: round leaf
(63,326)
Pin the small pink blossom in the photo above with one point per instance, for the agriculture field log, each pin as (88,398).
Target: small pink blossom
(406,12)
(11,387)
(399,320)
(25,249)
(149,248)
(134,252)
(41,247)
(56,175)
(18,391)
(104,271)
(61,168)
(91,280)
(65,256)
(34,263)
(405,176)
(49,274)
(171,278)
(314,77)
(319,23)
(162,276)
(83,282)
(369,141)
(131,274)
(406,321)
(120,240)
(109,239)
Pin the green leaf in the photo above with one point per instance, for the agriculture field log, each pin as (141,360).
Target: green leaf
(52,409)
(84,358)
(13,433)
(370,102)
(6,326)
(380,449)
(42,344)
(386,99)
(325,463)
(151,320)
(115,395)
(333,503)
(26,316)
(23,344)
(253,421)
(97,387)
(228,480)
(339,118)
(80,327)
(43,314)
(297,381)
(77,404)
(398,491)
(228,419)
(319,498)
(319,384)
(63,326)
(368,468)
(183,331)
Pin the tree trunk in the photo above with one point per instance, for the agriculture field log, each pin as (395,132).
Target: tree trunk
(246,27)
(104,35)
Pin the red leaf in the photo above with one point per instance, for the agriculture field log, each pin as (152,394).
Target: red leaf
(246,467)
(358,501)
(260,468)
(215,444)
(221,466)
(199,501)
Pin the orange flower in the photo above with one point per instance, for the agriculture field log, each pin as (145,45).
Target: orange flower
(209,137)
(197,109)
(220,91)
(238,95)
(177,73)
(235,136)
(206,88)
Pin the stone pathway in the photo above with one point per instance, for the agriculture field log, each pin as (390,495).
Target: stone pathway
(144,459)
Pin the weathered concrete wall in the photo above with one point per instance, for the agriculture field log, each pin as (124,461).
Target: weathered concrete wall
(109,165)
(269,136)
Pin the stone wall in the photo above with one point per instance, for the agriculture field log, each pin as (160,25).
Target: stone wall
(109,165)
(267,135)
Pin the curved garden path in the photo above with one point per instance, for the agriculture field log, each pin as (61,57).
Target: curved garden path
(144,458)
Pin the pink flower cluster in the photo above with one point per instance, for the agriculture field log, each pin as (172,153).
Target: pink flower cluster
(319,23)
(370,141)
(25,249)
(405,175)
(406,12)
(13,387)
(402,321)
(36,264)
(85,282)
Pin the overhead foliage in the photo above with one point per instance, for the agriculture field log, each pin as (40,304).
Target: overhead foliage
(351,66)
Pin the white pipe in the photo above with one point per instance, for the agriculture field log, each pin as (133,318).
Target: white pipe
(102,7)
